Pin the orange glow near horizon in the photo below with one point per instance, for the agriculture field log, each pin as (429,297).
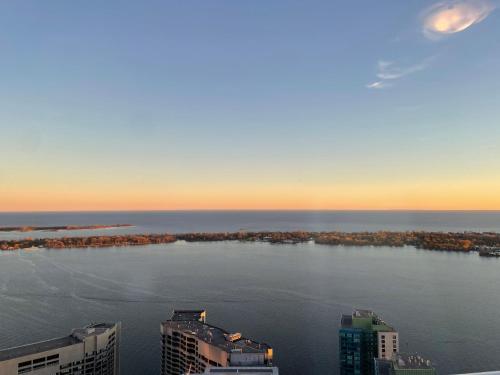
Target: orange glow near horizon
(403,196)
(391,115)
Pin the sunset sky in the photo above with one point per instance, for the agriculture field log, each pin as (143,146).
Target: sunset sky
(209,104)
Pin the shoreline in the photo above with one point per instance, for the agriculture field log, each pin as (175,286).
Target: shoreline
(486,243)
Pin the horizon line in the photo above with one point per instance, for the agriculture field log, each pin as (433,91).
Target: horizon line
(250,210)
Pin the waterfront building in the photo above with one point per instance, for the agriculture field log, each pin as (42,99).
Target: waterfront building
(92,350)
(241,371)
(404,364)
(190,345)
(363,336)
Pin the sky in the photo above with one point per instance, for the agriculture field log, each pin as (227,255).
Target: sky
(233,104)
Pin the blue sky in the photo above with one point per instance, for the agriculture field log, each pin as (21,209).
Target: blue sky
(159,95)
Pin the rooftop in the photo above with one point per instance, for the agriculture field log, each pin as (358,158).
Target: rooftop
(242,370)
(217,336)
(363,314)
(92,330)
(409,361)
(181,315)
(61,342)
(360,319)
(38,347)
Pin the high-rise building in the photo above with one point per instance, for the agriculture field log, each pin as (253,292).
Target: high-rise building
(92,350)
(404,364)
(191,345)
(364,337)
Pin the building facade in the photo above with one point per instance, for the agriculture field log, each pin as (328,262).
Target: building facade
(387,344)
(363,336)
(190,345)
(92,350)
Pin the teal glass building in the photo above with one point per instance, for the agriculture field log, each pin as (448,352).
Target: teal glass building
(359,336)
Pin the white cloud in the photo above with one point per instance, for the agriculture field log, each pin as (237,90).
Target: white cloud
(388,71)
(453,16)
(378,85)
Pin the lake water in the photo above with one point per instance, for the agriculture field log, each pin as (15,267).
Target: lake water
(445,305)
(216,221)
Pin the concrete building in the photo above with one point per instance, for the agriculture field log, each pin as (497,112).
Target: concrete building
(404,364)
(241,371)
(191,345)
(92,350)
(363,336)
(387,344)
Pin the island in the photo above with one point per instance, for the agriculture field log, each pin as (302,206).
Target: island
(485,243)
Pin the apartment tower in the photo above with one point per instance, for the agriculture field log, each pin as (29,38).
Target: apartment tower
(364,337)
(190,345)
(92,350)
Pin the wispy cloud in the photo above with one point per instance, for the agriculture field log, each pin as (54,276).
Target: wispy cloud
(453,16)
(440,20)
(378,85)
(388,71)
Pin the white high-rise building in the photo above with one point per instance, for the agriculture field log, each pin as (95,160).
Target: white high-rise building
(190,345)
(92,350)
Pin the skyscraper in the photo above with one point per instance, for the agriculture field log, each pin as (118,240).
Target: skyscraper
(92,350)
(189,344)
(363,337)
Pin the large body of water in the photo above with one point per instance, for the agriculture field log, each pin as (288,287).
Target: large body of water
(445,305)
(217,221)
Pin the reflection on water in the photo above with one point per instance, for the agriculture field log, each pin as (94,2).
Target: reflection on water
(444,305)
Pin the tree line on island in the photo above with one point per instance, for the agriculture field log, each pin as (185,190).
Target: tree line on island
(459,241)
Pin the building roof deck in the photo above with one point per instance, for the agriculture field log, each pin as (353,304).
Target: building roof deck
(92,330)
(408,361)
(38,347)
(60,342)
(358,313)
(242,370)
(181,315)
(352,320)
(216,336)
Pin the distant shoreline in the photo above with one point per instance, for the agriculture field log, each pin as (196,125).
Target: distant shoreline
(60,228)
(486,243)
